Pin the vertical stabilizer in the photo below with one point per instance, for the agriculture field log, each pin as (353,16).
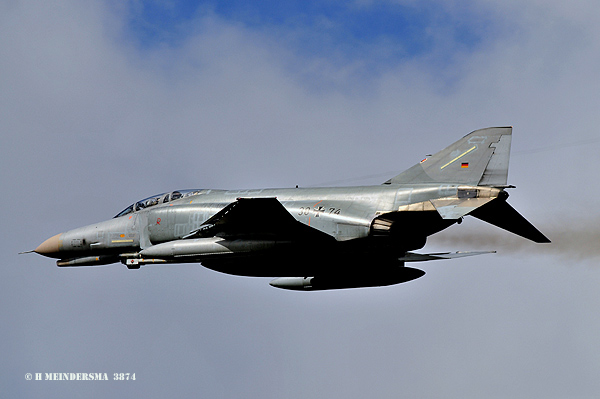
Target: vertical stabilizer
(479,158)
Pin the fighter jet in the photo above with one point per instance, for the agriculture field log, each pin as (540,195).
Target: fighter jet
(312,238)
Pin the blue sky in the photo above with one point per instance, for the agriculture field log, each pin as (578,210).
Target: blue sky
(320,28)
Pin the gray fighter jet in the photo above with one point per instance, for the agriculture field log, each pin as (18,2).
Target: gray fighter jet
(311,238)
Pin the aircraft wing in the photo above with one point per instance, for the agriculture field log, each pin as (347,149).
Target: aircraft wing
(414,257)
(252,217)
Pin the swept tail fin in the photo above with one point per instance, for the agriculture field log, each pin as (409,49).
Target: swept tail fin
(480,158)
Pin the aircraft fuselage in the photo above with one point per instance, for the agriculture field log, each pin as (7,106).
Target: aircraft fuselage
(312,238)
(343,213)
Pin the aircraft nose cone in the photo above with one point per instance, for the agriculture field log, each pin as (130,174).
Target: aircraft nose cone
(50,247)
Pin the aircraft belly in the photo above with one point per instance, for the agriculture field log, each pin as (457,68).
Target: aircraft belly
(304,261)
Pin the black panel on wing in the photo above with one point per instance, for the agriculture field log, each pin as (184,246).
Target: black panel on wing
(252,217)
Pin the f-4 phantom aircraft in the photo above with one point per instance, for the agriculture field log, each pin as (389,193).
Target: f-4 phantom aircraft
(312,238)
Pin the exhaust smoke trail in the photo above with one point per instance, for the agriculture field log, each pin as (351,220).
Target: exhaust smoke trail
(572,239)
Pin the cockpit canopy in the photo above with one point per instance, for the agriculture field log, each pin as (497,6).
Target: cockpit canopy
(157,199)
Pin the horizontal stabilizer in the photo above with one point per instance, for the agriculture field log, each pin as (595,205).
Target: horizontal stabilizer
(414,257)
(501,214)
